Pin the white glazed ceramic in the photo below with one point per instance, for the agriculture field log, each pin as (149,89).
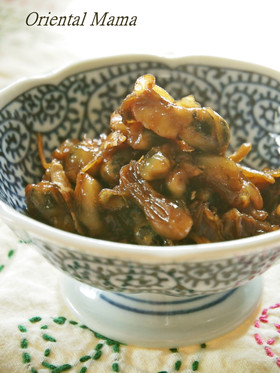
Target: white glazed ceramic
(149,296)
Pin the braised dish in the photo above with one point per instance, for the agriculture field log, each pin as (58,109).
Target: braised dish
(160,176)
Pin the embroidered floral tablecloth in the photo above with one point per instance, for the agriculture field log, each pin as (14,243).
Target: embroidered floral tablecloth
(39,334)
(37,331)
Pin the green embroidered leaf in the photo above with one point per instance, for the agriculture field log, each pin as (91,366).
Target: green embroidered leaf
(47,337)
(35,319)
(26,358)
(11,253)
(24,343)
(22,328)
(73,322)
(116,347)
(195,365)
(48,365)
(99,346)
(97,355)
(84,358)
(177,365)
(62,368)
(60,320)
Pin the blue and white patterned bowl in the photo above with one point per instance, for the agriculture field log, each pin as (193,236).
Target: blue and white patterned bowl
(79,99)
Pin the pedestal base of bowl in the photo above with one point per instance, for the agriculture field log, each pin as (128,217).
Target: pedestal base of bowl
(153,320)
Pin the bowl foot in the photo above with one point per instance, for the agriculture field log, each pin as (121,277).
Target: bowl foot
(154,320)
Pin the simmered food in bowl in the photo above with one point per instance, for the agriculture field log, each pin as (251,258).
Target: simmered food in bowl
(160,176)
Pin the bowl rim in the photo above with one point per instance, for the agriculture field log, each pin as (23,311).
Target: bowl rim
(88,245)
(56,76)
(72,241)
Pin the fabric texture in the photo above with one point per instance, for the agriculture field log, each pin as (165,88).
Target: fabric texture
(39,333)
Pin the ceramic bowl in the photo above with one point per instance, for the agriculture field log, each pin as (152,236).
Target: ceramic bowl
(151,296)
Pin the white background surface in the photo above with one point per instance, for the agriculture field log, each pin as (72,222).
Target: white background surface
(244,30)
